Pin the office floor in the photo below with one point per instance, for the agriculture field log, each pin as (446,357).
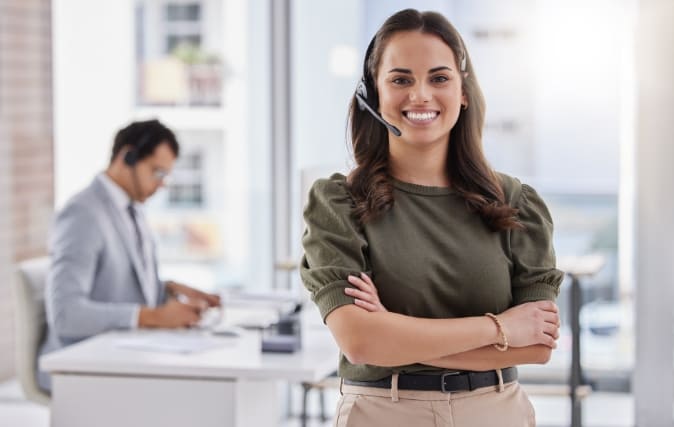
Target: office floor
(15,411)
(599,410)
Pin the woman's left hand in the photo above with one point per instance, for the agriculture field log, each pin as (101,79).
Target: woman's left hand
(365,294)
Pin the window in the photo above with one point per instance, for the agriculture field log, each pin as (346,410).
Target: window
(183,12)
(213,221)
(186,184)
(179,54)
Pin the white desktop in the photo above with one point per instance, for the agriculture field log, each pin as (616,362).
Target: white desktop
(182,378)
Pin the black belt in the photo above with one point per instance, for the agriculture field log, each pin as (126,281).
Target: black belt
(446,382)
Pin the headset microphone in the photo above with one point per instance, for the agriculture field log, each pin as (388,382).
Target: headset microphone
(361,95)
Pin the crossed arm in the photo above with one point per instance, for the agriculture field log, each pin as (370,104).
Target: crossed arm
(367,333)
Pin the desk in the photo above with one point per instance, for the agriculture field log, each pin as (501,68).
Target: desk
(97,383)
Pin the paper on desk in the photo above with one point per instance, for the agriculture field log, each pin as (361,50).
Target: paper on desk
(170,343)
(248,317)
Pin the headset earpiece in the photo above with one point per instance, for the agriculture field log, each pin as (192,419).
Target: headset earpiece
(362,94)
(364,103)
(131,157)
(361,89)
(366,93)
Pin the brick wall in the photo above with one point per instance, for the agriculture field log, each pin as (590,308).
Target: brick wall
(6,336)
(26,148)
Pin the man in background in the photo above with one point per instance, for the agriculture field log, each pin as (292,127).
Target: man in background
(103,272)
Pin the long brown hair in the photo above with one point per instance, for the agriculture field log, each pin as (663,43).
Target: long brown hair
(470,175)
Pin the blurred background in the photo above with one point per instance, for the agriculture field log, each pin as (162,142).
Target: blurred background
(257,92)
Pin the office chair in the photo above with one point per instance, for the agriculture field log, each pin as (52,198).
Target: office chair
(29,285)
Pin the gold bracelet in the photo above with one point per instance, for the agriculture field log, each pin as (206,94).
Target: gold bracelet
(504,346)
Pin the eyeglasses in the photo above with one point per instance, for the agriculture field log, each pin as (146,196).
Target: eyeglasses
(160,175)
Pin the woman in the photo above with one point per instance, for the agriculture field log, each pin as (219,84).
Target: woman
(461,256)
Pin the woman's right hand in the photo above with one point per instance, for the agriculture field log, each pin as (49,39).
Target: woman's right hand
(531,323)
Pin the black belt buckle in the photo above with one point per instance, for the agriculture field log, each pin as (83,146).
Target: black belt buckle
(442,380)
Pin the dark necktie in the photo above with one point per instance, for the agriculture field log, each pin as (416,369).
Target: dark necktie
(139,235)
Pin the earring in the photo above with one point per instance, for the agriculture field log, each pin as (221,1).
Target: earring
(464,107)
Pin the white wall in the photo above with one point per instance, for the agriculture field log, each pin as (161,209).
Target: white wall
(93,47)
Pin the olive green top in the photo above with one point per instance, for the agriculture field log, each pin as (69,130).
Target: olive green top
(429,256)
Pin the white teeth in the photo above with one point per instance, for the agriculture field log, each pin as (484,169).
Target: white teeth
(421,116)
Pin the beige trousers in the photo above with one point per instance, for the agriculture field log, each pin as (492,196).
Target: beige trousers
(485,407)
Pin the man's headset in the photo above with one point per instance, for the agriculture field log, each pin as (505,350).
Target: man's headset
(366,93)
(132,156)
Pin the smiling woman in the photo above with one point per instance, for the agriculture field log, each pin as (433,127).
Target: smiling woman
(420,91)
(409,257)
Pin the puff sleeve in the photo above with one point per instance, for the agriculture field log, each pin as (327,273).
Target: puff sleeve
(334,244)
(534,274)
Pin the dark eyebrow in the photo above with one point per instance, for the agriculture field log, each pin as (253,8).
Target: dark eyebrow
(400,70)
(407,71)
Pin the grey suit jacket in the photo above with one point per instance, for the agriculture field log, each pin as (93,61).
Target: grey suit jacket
(95,280)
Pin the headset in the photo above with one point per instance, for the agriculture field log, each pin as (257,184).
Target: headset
(366,93)
(131,157)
